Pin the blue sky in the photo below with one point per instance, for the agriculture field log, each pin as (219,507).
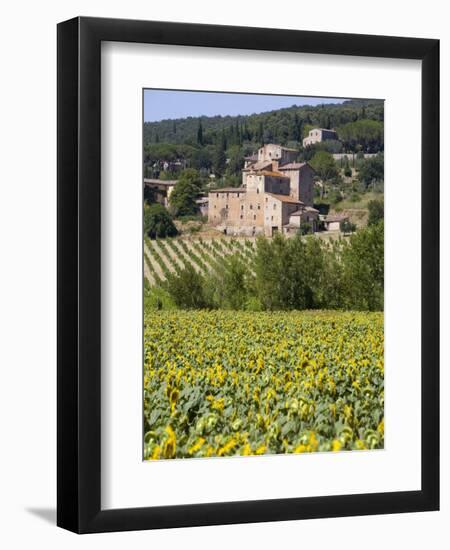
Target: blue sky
(164,104)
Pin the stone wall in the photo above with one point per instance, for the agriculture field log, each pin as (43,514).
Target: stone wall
(302,184)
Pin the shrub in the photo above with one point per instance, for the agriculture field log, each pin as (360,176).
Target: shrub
(186,288)
(185,193)
(156,298)
(158,223)
(376,211)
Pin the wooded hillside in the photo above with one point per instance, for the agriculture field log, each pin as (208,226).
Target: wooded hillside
(358,122)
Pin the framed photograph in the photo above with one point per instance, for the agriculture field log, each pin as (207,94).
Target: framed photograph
(248,259)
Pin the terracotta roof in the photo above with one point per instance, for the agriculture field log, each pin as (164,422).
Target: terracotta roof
(229,190)
(274,174)
(292,166)
(323,130)
(335,218)
(167,183)
(260,165)
(303,210)
(284,198)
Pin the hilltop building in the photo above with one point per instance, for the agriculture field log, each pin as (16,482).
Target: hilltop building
(276,196)
(316,135)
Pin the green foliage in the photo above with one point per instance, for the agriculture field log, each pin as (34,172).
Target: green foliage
(347,169)
(200,133)
(228,287)
(156,298)
(334,196)
(166,151)
(348,227)
(376,211)
(281,273)
(363,265)
(371,170)
(187,288)
(219,159)
(149,195)
(234,283)
(367,135)
(285,272)
(157,222)
(280,126)
(187,189)
(324,165)
(235,161)
(201,159)
(305,228)
(306,129)
(329,145)
(253,304)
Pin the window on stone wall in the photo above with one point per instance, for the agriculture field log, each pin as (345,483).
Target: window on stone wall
(242,217)
(274,206)
(271,218)
(242,207)
(259,207)
(251,207)
(254,216)
(226,206)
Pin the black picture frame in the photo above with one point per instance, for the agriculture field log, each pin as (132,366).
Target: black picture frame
(79,281)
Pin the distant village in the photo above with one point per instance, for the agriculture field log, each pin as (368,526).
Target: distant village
(275,196)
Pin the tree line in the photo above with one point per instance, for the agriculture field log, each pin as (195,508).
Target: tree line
(281,126)
(290,273)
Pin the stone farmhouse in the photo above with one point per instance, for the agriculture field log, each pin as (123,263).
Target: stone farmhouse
(161,188)
(317,135)
(276,196)
(333,222)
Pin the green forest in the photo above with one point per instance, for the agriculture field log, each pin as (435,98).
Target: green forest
(218,144)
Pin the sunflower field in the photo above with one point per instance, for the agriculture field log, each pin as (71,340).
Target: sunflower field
(225,383)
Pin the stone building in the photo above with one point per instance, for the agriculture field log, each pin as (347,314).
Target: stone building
(307,215)
(333,222)
(274,188)
(162,189)
(317,135)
